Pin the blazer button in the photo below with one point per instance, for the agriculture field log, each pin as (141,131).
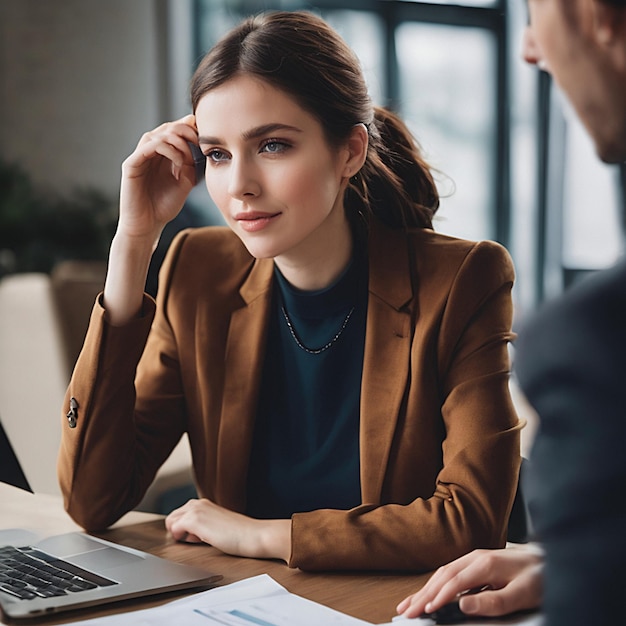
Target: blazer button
(72,414)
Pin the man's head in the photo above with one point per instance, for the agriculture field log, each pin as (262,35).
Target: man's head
(582,43)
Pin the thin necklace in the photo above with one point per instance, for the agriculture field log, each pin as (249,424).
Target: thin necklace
(324,347)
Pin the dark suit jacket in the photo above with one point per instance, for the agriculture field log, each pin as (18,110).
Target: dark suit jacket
(570,363)
(439,438)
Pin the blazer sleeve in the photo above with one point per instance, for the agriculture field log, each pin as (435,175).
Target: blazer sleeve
(121,437)
(471,449)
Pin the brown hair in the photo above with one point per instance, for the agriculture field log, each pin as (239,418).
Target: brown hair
(299,53)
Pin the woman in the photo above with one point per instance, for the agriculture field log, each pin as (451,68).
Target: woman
(341,370)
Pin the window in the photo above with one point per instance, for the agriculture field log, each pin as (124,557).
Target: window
(582,220)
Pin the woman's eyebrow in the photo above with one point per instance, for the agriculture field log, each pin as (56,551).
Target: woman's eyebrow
(253,133)
(267,129)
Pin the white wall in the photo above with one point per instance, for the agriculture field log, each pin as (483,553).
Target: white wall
(80,81)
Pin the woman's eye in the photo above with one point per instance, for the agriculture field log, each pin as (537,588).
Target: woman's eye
(273,146)
(216,156)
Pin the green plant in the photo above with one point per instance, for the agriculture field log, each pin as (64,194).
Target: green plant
(38,229)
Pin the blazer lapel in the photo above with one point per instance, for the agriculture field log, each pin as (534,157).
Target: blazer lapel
(387,354)
(245,350)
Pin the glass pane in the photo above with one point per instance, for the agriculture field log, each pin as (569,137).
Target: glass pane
(364,33)
(592,235)
(215,18)
(447,89)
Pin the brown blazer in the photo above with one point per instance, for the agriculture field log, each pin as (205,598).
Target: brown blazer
(439,437)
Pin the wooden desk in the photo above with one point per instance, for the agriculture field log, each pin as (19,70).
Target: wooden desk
(371,597)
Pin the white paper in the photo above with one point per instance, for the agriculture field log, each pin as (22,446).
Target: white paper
(256,601)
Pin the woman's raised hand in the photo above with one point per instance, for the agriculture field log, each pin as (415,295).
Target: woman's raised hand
(157,178)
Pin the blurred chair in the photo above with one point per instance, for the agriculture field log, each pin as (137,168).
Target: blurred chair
(75,285)
(33,375)
(43,320)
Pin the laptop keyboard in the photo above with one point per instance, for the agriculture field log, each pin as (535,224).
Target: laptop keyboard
(28,573)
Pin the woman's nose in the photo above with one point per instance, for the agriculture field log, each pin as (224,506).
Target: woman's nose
(244,180)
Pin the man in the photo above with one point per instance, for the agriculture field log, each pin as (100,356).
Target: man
(570,364)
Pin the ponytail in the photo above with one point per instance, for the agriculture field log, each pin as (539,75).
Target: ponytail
(395,184)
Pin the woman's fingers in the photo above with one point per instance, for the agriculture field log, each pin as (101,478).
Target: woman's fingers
(170,141)
(157,178)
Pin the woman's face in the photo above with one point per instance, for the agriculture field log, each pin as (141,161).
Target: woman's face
(271,172)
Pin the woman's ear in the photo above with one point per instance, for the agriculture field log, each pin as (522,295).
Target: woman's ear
(357,150)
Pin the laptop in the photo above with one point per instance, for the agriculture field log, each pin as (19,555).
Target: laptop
(43,576)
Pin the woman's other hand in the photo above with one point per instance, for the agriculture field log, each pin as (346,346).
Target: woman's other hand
(230,532)
(514,577)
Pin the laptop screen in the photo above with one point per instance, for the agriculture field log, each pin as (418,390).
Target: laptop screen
(10,468)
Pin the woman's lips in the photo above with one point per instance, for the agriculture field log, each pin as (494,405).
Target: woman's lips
(254,221)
